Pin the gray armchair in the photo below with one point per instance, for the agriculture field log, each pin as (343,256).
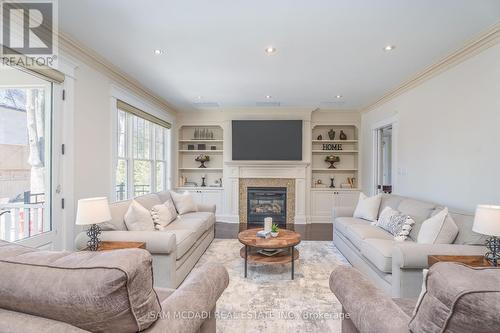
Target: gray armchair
(454,301)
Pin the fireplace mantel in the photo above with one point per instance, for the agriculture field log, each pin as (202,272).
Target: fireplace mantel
(267,163)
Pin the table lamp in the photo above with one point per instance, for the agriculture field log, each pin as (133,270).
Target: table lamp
(92,211)
(487,222)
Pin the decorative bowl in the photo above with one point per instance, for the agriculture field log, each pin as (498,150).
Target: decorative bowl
(332,160)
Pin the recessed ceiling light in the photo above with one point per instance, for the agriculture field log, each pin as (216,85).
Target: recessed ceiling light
(270,50)
(389,48)
(338,96)
(199,97)
(269,96)
(158,52)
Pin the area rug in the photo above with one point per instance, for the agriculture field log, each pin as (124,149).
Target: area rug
(268,300)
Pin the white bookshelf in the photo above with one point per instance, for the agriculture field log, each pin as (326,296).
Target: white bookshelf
(200,140)
(348,167)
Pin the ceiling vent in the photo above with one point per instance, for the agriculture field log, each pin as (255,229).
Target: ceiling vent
(332,104)
(267,104)
(206,104)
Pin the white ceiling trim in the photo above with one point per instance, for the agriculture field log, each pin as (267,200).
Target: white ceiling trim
(477,45)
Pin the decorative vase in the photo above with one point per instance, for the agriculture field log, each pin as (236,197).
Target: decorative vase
(332,160)
(331,134)
(274,234)
(320,137)
(342,135)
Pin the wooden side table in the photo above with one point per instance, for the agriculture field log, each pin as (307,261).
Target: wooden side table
(473,261)
(107,246)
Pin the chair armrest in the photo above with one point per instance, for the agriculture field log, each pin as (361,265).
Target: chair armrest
(413,255)
(157,242)
(206,208)
(188,307)
(368,307)
(342,212)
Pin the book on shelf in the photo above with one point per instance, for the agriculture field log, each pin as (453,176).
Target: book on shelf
(263,234)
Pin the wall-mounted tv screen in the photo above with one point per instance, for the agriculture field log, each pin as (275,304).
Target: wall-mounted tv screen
(274,140)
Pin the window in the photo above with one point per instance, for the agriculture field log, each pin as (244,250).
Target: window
(141,154)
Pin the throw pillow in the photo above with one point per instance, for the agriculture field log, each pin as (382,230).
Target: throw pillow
(138,218)
(163,214)
(397,224)
(184,203)
(438,229)
(367,207)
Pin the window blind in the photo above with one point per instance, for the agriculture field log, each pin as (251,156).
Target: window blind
(25,63)
(142,114)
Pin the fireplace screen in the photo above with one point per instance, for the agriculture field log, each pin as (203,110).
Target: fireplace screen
(266,202)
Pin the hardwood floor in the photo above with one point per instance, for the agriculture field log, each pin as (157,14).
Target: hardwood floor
(315,231)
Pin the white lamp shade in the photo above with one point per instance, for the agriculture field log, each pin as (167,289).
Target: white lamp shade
(487,220)
(93,211)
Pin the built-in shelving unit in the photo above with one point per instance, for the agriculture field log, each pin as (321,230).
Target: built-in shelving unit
(347,150)
(200,140)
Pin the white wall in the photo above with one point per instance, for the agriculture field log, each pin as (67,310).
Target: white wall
(448,135)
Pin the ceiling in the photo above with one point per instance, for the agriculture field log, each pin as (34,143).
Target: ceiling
(214,50)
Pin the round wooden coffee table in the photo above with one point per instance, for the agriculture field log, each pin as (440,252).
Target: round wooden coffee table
(286,241)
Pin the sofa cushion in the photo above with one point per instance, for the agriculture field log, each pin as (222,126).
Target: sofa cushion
(95,291)
(367,207)
(149,200)
(118,210)
(19,322)
(397,224)
(163,214)
(378,252)
(357,233)
(138,218)
(438,229)
(465,235)
(454,301)
(208,218)
(198,222)
(342,223)
(164,196)
(184,238)
(184,203)
(389,200)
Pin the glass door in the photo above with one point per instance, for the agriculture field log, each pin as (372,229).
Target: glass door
(26,168)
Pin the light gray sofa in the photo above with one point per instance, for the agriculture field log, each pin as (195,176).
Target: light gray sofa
(104,291)
(453,302)
(175,250)
(396,267)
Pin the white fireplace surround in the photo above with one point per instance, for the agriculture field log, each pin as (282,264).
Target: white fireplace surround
(235,170)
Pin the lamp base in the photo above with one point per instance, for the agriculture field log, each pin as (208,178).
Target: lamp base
(493,254)
(93,233)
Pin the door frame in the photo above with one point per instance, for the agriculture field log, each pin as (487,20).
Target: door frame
(394,123)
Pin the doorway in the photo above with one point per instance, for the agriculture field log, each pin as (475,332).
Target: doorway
(27,171)
(384,157)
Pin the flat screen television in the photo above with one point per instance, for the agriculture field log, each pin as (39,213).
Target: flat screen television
(273,140)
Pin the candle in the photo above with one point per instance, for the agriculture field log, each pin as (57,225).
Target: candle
(268,222)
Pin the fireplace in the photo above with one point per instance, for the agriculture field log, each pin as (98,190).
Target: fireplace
(265,202)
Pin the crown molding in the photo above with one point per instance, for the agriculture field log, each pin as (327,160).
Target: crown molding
(477,45)
(78,51)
